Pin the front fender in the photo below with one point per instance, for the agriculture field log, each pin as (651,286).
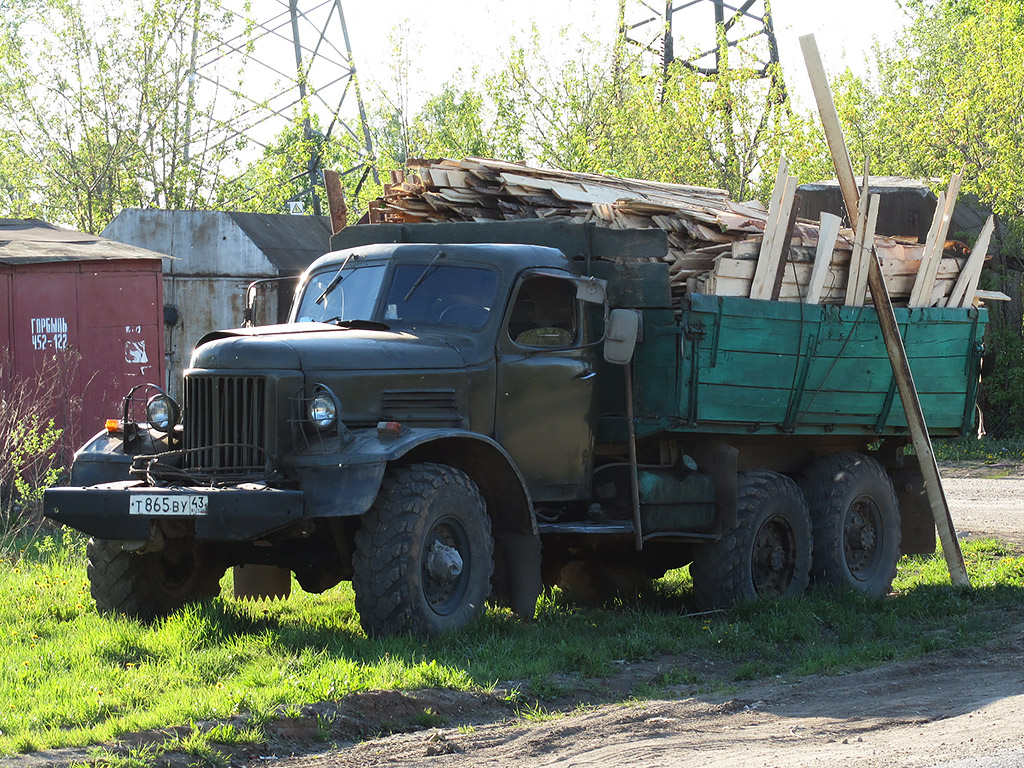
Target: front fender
(101,460)
(345,483)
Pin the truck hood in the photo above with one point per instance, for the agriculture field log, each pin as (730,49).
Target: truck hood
(319,347)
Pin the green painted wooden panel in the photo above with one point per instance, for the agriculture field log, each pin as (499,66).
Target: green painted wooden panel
(752,356)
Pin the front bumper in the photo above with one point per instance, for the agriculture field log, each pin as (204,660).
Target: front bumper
(239,513)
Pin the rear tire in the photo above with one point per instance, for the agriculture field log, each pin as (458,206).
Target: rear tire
(150,585)
(766,555)
(856,520)
(424,554)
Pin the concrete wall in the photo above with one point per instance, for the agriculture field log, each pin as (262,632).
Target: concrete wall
(214,261)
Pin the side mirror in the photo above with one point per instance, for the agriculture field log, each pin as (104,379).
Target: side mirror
(620,335)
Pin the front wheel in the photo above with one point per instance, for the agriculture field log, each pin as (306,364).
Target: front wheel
(149,585)
(766,555)
(856,520)
(424,554)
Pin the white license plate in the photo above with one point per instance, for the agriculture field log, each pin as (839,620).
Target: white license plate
(185,504)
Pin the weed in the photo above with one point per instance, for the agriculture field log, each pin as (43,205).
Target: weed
(543,687)
(31,445)
(428,718)
(535,713)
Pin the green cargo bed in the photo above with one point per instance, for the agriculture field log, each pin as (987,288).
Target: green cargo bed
(737,365)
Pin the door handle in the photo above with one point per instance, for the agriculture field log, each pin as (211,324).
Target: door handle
(585,374)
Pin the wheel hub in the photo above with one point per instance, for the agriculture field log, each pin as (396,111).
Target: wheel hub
(773,561)
(444,563)
(861,536)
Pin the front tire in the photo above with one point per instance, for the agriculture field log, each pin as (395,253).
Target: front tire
(766,555)
(150,585)
(424,554)
(856,519)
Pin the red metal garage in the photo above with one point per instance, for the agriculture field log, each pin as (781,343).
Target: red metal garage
(93,306)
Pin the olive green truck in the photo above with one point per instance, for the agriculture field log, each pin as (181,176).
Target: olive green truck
(463,412)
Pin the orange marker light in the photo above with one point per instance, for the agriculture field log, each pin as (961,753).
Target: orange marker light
(113,426)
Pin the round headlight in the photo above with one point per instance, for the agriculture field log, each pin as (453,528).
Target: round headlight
(162,413)
(323,411)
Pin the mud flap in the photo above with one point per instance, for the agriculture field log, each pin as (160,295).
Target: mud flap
(516,581)
(258,582)
(916,522)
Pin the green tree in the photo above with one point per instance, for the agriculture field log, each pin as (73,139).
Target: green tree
(101,101)
(603,113)
(281,173)
(949,96)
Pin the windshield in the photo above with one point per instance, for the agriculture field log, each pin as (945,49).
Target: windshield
(346,295)
(428,293)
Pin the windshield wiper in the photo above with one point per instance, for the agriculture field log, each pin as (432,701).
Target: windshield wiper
(423,276)
(368,325)
(334,280)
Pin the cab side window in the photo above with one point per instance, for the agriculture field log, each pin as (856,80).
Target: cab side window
(544,313)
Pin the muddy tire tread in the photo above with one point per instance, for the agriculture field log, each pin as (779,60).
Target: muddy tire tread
(383,588)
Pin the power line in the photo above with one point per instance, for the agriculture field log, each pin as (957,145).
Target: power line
(271,93)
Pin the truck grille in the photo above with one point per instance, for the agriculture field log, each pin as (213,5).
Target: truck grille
(225,423)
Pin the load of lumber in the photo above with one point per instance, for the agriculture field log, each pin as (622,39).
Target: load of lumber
(715,245)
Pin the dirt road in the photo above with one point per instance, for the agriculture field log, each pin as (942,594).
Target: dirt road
(956,710)
(987,507)
(964,710)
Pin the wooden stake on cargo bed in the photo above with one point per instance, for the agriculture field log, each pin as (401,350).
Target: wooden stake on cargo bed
(887,321)
(828,232)
(967,284)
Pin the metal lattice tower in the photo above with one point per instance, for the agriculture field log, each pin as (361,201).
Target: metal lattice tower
(710,30)
(294,61)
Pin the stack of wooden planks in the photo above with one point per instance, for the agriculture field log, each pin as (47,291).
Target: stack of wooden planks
(715,245)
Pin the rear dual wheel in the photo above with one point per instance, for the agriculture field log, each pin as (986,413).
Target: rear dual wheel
(856,519)
(768,552)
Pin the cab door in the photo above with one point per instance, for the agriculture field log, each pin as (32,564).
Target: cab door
(546,387)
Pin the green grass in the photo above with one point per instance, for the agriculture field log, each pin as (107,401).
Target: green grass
(69,677)
(988,449)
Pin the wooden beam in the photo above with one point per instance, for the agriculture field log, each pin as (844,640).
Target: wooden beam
(857,254)
(828,231)
(771,220)
(921,297)
(787,242)
(866,253)
(768,262)
(335,201)
(887,323)
(830,122)
(963,292)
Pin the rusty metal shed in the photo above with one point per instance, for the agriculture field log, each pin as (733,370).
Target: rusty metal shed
(94,304)
(217,254)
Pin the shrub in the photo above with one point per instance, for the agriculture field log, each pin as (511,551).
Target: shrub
(32,449)
(1002,390)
